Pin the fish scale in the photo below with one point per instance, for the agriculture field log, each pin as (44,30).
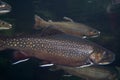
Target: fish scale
(58,51)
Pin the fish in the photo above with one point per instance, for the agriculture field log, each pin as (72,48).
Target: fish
(91,72)
(4,7)
(59,50)
(113,6)
(5,25)
(68,27)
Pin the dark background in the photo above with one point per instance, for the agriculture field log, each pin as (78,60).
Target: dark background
(90,12)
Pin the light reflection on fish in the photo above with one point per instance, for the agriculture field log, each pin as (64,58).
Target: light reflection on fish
(67,52)
(68,27)
(4,7)
(92,72)
(5,25)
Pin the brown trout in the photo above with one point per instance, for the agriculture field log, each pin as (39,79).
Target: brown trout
(68,27)
(4,7)
(60,51)
(5,25)
(91,72)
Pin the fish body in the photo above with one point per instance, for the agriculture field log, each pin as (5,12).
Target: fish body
(92,72)
(4,7)
(5,25)
(59,51)
(68,27)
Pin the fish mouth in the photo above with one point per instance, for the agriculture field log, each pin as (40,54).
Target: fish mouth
(107,59)
(5,28)
(10,26)
(103,58)
(93,34)
(96,34)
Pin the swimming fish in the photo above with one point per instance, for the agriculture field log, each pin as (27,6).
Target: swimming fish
(60,51)
(91,72)
(113,6)
(4,7)
(68,27)
(5,25)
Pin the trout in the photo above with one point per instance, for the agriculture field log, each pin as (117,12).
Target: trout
(68,27)
(91,72)
(60,51)
(5,25)
(4,7)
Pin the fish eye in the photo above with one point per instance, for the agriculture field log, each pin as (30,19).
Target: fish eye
(94,31)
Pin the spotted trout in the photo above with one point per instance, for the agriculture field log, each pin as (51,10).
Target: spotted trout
(5,25)
(4,7)
(92,72)
(59,50)
(68,27)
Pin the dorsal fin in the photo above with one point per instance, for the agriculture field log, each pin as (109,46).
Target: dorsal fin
(50,21)
(38,18)
(68,19)
(38,21)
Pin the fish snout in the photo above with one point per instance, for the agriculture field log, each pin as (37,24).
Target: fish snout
(108,57)
(102,58)
(10,26)
(94,33)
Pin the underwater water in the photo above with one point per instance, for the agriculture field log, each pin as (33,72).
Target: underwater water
(103,15)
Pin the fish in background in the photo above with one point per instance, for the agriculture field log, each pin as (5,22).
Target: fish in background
(113,11)
(5,25)
(113,6)
(59,50)
(4,7)
(91,72)
(68,27)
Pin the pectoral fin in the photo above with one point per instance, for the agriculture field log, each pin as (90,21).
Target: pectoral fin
(86,65)
(17,62)
(46,65)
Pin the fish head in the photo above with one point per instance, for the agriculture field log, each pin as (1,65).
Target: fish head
(102,57)
(4,7)
(5,25)
(92,33)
